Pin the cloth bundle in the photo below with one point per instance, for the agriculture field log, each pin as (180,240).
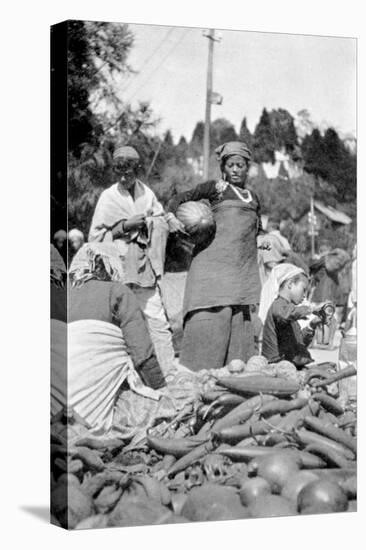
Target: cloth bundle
(98,364)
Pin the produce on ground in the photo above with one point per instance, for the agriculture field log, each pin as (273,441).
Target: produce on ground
(254,444)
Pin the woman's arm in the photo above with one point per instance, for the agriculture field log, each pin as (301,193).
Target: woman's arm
(285,312)
(128,315)
(205,190)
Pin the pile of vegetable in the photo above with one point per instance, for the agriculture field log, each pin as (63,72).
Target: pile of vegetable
(261,441)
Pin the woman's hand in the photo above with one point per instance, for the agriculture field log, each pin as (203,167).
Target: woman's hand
(264,245)
(174,224)
(135,222)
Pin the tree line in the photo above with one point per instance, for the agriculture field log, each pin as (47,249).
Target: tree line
(98,119)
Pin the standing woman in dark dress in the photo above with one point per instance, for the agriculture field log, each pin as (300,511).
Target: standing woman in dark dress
(223,280)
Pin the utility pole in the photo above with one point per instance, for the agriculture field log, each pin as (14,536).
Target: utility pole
(313,231)
(206,138)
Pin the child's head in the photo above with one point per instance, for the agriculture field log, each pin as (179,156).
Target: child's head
(294,289)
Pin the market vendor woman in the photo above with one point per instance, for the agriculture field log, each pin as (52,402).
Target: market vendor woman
(223,280)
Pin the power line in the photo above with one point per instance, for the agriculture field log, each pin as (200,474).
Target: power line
(151,73)
(159,65)
(146,61)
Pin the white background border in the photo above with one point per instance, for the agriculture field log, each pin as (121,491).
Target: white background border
(25,234)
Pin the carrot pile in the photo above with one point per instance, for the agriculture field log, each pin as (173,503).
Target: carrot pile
(258,427)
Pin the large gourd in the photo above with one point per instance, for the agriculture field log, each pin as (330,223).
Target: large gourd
(197,219)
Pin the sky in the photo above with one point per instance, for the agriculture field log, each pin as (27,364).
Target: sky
(252,70)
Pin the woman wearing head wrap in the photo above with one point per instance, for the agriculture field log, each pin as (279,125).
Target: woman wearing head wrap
(108,338)
(129,214)
(223,279)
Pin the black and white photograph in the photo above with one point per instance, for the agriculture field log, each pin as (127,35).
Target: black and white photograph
(187,248)
(203,275)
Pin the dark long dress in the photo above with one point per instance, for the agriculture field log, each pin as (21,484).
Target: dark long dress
(223,280)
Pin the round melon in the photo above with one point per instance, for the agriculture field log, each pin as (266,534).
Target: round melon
(212,502)
(322,494)
(270,506)
(197,219)
(287,370)
(296,483)
(257,363)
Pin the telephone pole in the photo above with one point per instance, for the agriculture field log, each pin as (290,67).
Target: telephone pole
(206,138)
(313,230)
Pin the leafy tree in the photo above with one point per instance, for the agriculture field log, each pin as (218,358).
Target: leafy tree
(245,134)
(328,159)
(341,166)
(264,141)
(196,143)
(284,130)
(95,51)
(181,151)
(168,152)
(221,131)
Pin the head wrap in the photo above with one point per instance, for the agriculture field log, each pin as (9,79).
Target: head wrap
(60,234)
(279,274)
(57,267)
(82,267)
(336,260)
(126,153)
(233,148)
(76,233)
(275,253)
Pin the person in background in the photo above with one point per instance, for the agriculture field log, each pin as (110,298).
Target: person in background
(273,228)
(108,338)
(129,214)
(283,337)
(223,279)
(280,251)
(328,278)
(60,242)
(76,241)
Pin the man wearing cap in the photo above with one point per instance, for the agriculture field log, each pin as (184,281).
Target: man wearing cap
(129,213)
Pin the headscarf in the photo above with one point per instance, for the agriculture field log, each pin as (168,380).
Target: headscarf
(233,148)
(276,253)
(279,274)
(57,268)
(60,234)
(336,260)
(125,152)
(76,233)
(82,267)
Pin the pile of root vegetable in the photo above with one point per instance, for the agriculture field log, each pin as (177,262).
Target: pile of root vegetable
(255,444)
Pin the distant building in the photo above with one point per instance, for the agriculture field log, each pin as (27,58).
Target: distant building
(283,167)
(351,143)
(197,165)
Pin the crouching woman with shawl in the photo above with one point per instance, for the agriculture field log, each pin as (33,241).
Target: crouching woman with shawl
(108,339)
(223,280)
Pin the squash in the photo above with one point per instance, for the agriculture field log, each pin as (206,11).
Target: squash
(197,219)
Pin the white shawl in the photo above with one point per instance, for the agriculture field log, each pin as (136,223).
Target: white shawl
(116,204)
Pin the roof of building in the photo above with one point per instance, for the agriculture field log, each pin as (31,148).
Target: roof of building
(332,213)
